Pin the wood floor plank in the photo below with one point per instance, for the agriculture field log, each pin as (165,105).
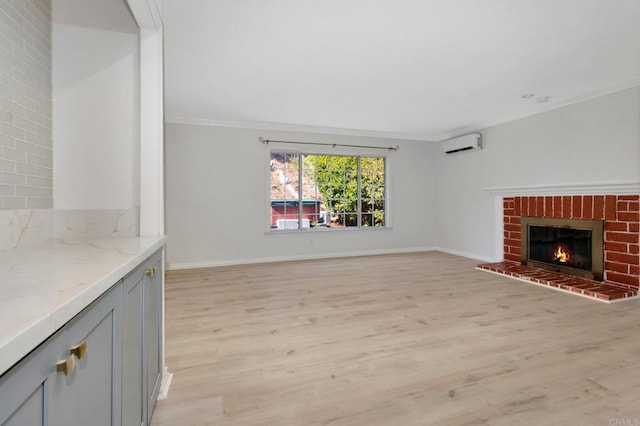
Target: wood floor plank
(408,339)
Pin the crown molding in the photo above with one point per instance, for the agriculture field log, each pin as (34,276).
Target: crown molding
(261,125)
(609,188)
(147,13)
(538,110)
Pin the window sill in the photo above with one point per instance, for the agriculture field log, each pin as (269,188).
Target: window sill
(327,230)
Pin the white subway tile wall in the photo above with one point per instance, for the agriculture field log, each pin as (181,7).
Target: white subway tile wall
(26,146)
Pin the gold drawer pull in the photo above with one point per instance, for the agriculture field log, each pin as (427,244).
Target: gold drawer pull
(151,272)
(66,366)
(80,350)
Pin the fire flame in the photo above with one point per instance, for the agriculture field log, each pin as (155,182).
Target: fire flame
(561,253)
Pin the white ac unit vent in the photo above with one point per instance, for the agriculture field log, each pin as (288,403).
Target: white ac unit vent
(462,143)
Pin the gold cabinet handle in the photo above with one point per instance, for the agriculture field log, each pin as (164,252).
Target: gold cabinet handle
(151,272)
(79,350)
(66,366)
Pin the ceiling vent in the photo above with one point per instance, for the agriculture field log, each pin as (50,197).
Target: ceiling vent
(468,142)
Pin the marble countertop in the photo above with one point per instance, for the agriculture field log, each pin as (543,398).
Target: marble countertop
(45,285)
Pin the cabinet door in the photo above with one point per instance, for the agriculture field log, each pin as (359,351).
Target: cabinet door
(25,388)
(132,351)
(99,371)
(90,395)
(153,331)
(30,412)
(142,362)
(34,392)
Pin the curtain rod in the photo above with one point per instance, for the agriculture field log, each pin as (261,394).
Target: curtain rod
(386,148)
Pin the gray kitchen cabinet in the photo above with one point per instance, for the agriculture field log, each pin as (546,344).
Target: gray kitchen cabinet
(153,331)
(133,410)
(25,388)
(142,361)
(73,378)
(90,395)
(104,367)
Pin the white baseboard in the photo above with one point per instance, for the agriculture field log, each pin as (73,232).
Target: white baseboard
(167,378)
(230,262)
(468,255)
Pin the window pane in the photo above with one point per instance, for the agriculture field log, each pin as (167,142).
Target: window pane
(351,219)
(372,178)
(285,187)
(325,191)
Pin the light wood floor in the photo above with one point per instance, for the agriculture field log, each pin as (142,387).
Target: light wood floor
(411,339)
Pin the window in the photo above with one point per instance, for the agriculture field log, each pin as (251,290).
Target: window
(326,191)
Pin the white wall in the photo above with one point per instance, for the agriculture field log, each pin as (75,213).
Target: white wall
(216,183)
(216,199)
(595,141)
(96,131)
(151,132)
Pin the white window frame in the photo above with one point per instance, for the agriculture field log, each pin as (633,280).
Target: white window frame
(327,150)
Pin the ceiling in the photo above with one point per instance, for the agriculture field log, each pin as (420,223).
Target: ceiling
(416,69)
(108,15)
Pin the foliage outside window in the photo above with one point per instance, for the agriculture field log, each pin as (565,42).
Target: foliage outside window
(326,191)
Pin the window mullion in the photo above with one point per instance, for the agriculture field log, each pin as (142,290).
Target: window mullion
(300,203)
(359,201)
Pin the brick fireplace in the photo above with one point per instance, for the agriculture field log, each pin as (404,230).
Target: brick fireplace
(620,214)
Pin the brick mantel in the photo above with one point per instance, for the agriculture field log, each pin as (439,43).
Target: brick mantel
(620,214)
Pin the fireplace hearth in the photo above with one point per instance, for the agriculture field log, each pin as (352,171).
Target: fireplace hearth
(569,246)
(615,264)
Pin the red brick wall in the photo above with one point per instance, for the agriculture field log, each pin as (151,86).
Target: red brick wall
(621,224)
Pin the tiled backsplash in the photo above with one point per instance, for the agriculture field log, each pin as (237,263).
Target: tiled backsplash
(22,228)
(26,150)
(82,224)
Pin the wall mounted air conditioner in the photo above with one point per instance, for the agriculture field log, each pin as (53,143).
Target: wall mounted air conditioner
(462,143)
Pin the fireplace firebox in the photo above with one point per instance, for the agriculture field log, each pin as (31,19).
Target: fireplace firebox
(569,246)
